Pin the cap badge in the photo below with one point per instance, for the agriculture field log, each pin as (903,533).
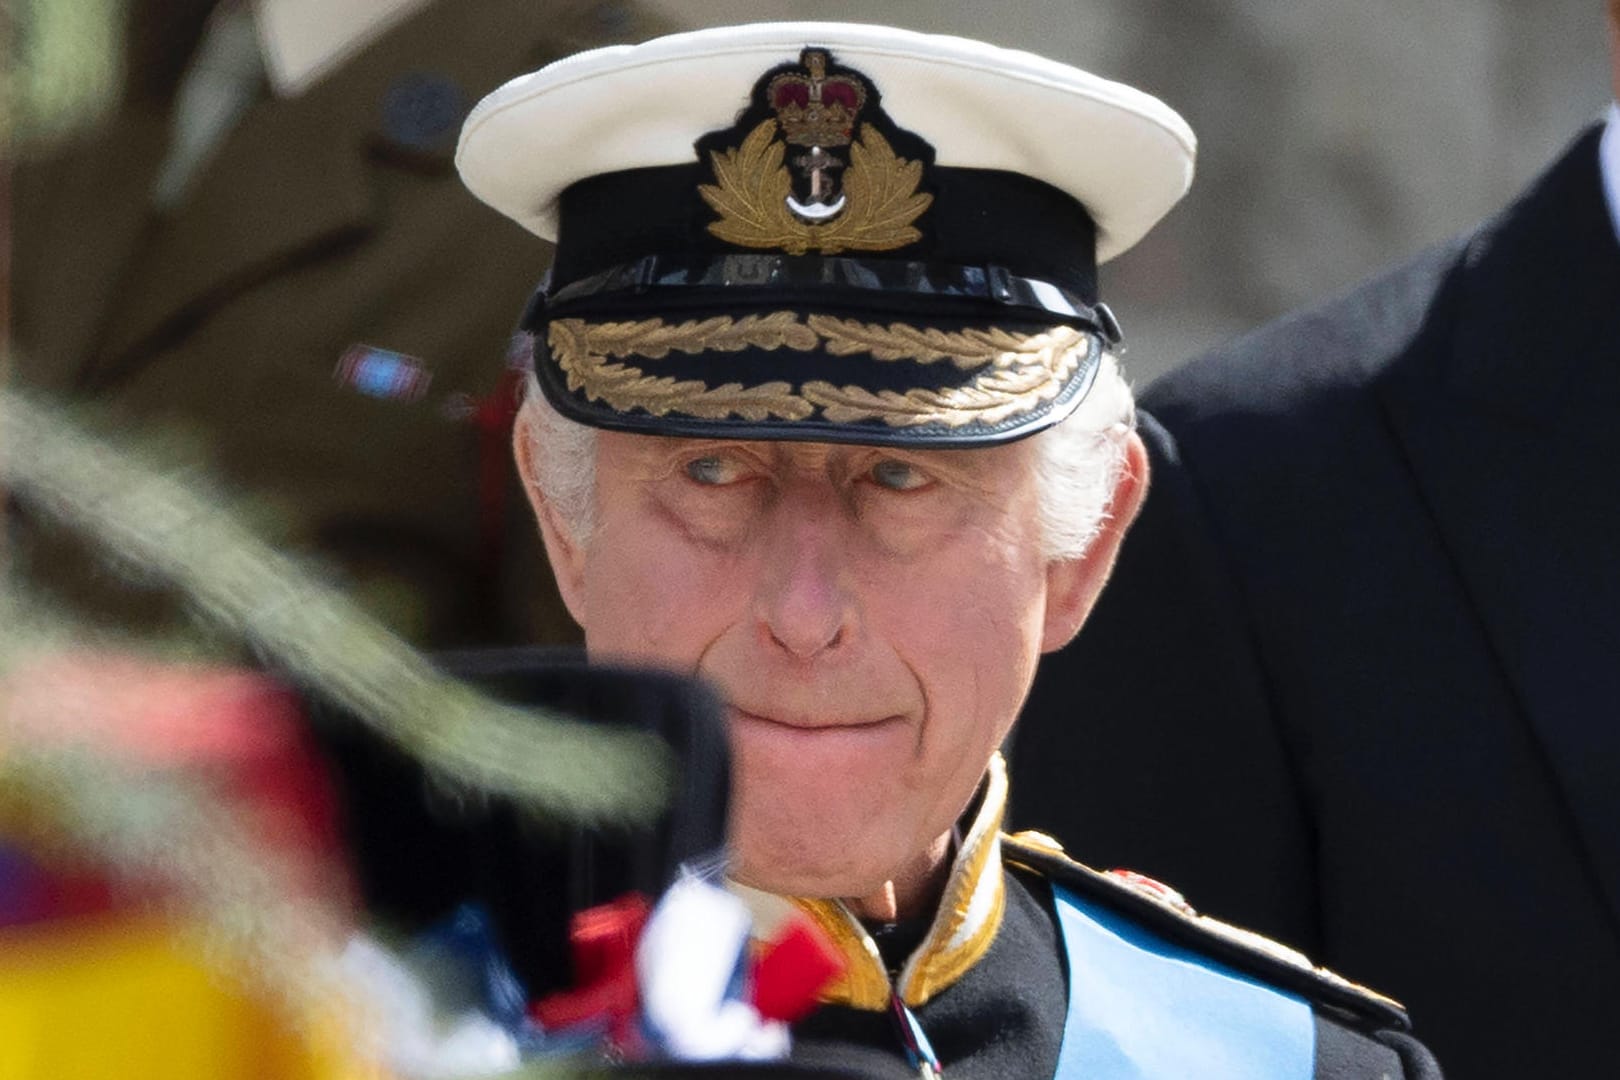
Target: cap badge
(865,203)
(817,112)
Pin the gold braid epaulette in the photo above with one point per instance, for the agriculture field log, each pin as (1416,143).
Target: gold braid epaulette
(1244,949)
(1019,371)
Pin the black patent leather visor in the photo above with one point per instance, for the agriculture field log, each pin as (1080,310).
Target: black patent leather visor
(677,364)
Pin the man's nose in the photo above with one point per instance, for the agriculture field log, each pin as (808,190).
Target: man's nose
(804,606)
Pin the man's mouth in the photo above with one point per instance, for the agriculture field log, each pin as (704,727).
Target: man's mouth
(808,724)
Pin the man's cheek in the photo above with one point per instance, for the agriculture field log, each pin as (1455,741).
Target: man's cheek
(661,609)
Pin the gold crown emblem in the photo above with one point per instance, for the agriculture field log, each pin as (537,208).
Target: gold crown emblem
(816,109)
(865,203)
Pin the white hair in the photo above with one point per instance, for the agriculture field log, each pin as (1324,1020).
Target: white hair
(1078,464)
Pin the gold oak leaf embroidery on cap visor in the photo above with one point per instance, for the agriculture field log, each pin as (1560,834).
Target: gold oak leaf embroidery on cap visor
(1020,371)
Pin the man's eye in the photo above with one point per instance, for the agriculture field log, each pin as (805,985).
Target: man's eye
(898,475)
(714,470)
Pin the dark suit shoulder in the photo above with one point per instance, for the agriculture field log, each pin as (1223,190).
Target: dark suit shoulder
(1308,356)
(1162,910)
(1347,1052)
(1484,278)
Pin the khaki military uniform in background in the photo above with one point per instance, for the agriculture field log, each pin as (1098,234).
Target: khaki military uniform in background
(321,222)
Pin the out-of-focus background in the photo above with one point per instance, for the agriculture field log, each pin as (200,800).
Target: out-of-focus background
(255,246)
(236,225)
(1334,137)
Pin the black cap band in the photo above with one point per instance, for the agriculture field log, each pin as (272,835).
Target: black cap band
(979,217)
(843,280)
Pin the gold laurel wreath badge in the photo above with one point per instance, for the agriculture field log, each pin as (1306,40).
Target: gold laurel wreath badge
(753,185)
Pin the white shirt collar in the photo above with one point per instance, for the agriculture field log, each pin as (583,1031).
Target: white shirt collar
(302,40)
(1609,165)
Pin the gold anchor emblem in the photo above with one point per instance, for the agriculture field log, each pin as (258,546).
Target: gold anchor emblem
(871,210)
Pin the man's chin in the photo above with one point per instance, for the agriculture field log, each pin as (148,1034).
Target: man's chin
(797,875)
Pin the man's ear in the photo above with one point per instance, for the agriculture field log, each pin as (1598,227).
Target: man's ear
(1073,585)
(564,550)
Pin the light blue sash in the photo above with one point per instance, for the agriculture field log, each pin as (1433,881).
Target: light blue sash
(1141,1008)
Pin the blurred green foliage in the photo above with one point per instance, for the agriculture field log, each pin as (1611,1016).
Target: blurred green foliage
(63,66)
(172,524)
(74,799)
(61,71)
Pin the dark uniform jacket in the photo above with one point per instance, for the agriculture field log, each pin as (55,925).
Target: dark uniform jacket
(1009,1015)
(1360,650)
(323,221)
(1036,966)
(1030,966)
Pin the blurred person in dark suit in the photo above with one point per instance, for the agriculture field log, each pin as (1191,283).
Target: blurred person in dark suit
(265,251)
(1366,633)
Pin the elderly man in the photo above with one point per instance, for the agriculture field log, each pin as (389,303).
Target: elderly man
(829,416)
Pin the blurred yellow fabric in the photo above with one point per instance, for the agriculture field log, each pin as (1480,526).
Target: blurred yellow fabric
(130,997)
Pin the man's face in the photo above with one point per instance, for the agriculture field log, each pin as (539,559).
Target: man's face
(872,616)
